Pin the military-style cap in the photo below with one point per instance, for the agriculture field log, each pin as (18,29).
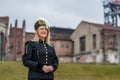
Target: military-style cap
(39,23)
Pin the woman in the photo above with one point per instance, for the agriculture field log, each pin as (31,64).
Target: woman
(40,56)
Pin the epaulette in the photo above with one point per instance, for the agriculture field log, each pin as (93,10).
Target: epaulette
(26,47)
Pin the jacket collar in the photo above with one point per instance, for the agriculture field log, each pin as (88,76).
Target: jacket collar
(41,41)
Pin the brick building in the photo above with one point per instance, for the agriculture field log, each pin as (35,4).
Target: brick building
(29,36)
(16,41)
(60,37)
(4,21)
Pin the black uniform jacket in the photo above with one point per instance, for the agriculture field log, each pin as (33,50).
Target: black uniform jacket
(38,54)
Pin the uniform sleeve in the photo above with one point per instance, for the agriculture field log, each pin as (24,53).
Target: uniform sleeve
(55,61)
(27,59)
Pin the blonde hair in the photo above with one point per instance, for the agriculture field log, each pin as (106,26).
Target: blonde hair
(47,39)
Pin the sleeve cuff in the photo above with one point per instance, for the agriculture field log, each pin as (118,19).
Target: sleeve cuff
(39,66)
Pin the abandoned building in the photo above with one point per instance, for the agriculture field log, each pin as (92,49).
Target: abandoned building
(95,43)
(4,21)
(16,41)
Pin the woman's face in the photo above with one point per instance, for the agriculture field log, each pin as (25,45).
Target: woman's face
(42,32)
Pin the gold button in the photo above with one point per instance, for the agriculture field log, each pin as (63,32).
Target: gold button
(46,55)
(46,52)
(45,47)
(46,62)
(46,59)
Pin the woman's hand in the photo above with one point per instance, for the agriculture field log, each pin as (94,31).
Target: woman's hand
(50,68)
(47,69)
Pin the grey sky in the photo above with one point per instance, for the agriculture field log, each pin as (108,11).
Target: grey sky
(59,13)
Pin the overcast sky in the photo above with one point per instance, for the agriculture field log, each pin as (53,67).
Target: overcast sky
(59,13)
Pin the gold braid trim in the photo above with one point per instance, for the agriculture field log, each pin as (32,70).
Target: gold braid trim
(26,48)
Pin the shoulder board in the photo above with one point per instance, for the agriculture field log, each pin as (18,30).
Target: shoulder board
(26,46)
(27,42)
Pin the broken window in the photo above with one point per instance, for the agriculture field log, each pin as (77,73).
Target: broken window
(82,43)
(94,41)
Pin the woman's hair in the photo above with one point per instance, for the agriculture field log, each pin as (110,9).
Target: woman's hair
(47,39)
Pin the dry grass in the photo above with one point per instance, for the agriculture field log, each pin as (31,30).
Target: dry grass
(87,72)
(16,71)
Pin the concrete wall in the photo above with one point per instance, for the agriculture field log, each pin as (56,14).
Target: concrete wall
(88,31)
(106,43)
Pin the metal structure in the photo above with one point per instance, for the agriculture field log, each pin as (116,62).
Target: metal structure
(111,12)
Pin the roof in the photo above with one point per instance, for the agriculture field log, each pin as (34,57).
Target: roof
(30,32)
(105,26)
(61,33)
(60,30)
